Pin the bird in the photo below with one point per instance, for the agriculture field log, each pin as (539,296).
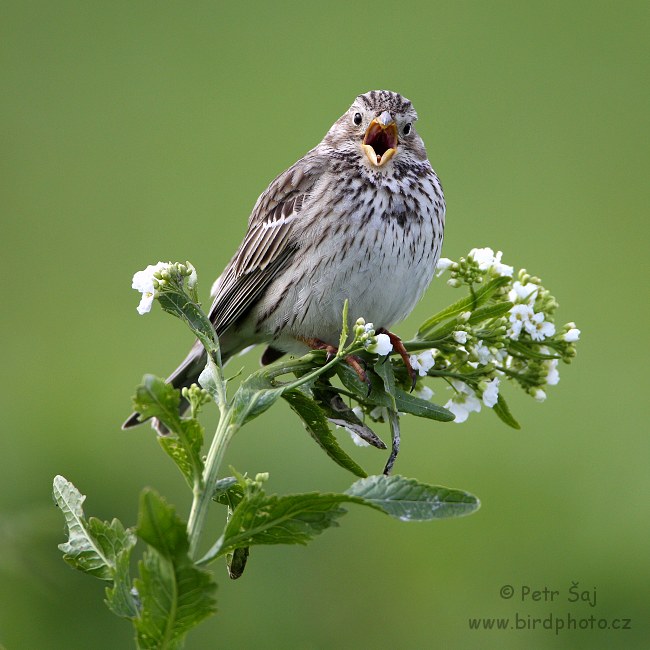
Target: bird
(360,217)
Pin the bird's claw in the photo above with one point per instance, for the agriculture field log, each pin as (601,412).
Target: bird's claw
(398,346)
(355,362)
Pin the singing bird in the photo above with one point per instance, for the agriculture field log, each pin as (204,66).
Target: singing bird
(360,217)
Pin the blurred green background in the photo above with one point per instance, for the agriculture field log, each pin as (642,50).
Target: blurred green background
(139,131)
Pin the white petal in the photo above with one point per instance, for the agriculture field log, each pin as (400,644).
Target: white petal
(423,392)
(539,395)
(572,335)
(444,264)
(146,303)
(381,345)
(460,336)
(357,439)
(491,393)
(553,375)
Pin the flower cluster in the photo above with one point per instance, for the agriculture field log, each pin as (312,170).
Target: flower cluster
(156,276)
(514,337)
(375,343)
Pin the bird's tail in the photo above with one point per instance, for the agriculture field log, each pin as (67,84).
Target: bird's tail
(185,375)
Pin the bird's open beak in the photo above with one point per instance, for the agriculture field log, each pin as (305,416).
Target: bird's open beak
(380,142)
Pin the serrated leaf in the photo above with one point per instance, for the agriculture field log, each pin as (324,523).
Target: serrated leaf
(93,545)
(160,527)
(155,398)
(291,519)
(175,594)
(316,424)
(185,450)
(297,518)
(254,396)
(502,409)
(176,302)
(409,500)
(119,598)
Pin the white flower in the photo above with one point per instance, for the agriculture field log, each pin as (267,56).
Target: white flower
(444,264)
(539,394)
(519,316)
(379,344)
(483,353)
(356,438)
(423,392)
(491,393)
(488,261)
(463,402)
(538,328)
(552,373)
(143,282)
(423,362)
(379,413)
(460,336)
(572,335)
(523,293)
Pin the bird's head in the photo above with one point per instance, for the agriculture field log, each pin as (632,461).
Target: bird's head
(377,131)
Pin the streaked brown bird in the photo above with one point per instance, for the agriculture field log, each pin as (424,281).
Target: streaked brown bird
(360,217)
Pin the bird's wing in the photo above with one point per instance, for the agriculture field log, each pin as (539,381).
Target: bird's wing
(267,246)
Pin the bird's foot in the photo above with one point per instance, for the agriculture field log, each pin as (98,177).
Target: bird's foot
(356,363)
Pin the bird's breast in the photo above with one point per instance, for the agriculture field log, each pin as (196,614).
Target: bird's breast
(375,247)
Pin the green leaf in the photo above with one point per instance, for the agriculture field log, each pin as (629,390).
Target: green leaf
(174,598)
(155,398)
(377,396)
(297,518)
(384,368)
(435,326)
(292,519)
(185,450)
(119,597)
(404,402)
(339,413)
(316,424)
(409,500)
(175,594)
(502,409)
(407,403)
(175,301)
(228,492)
(93,545)
(160,527)
(254,396)
(490,311)
(344,328)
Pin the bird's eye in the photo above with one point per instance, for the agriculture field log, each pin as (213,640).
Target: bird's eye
(357,118)
(407,128)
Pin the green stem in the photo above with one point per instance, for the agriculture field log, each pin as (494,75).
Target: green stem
(202,497)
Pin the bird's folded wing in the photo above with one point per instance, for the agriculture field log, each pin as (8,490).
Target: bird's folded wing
(267,247)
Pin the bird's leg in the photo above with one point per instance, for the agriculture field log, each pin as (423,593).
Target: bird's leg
(355,362)
(398,346)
